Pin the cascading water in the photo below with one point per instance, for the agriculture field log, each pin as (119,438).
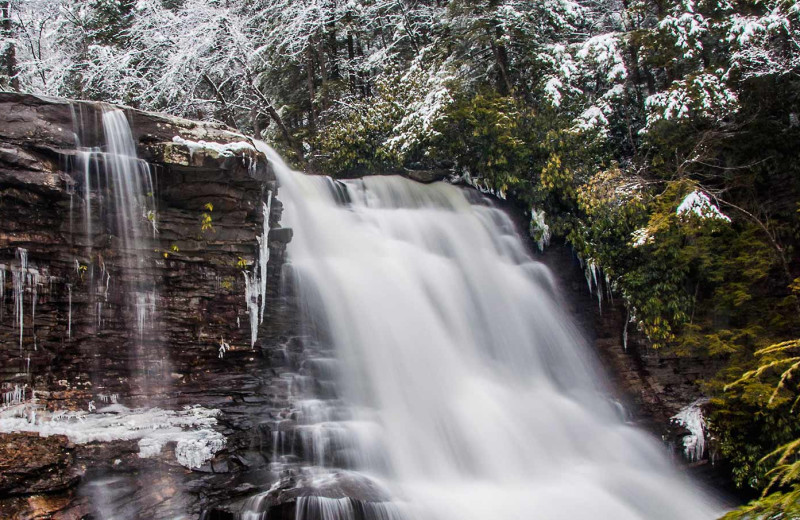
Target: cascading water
(123,190)
(469,394)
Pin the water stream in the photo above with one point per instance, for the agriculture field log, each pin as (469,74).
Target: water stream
(462,388)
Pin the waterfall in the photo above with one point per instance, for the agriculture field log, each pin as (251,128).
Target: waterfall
(119,192)
(463,387)
(130,179)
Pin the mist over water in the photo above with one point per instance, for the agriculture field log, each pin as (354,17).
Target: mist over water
(471,393)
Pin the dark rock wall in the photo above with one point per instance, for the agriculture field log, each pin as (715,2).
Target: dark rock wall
(198,274)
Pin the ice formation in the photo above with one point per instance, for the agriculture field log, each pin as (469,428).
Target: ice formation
(191,428)
(539,230)
(255,283)
(691,417)
(14,397)
(224,346)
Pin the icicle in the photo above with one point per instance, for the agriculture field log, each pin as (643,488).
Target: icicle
(69,315)
(145,311)
(108,281)
(19,291)
(2,290)
(251,297)
(592,273)
(625,331)
(256,282)
(33,281)
(15,396)
(106,398)
(263,257)
(87,195)
(223,347)
(105,279)
(71,192)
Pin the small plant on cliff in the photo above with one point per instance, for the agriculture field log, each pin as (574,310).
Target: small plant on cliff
(205,218)
(172,249)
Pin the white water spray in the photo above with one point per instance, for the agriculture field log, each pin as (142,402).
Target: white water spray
(481,399)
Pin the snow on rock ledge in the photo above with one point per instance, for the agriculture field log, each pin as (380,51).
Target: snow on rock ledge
(220,149)
(190,428)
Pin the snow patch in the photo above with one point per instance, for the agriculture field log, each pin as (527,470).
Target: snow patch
(225,150)
(699,204)
(641,237)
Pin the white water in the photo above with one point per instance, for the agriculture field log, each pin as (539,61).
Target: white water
(131,182)
(475,397)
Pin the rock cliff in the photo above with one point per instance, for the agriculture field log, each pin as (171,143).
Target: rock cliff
(66,348)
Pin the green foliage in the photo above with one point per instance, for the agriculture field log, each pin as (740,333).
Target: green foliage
(108,20)
(780,505)
(484,135)
(205,218)
(756,420)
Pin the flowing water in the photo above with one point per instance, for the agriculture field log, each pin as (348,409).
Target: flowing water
(461,386)
(121,187)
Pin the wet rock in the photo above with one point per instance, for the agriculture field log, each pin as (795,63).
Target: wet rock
(308,491)
(427,176)
(30,464)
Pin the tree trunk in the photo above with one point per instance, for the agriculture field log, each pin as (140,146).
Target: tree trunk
(331,44)
(9,58)
(351,56)
(312,116)
(501,60)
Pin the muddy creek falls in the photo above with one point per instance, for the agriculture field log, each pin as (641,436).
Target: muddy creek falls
(190,329)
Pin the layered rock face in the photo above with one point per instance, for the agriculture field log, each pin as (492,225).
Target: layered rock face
(72,331)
